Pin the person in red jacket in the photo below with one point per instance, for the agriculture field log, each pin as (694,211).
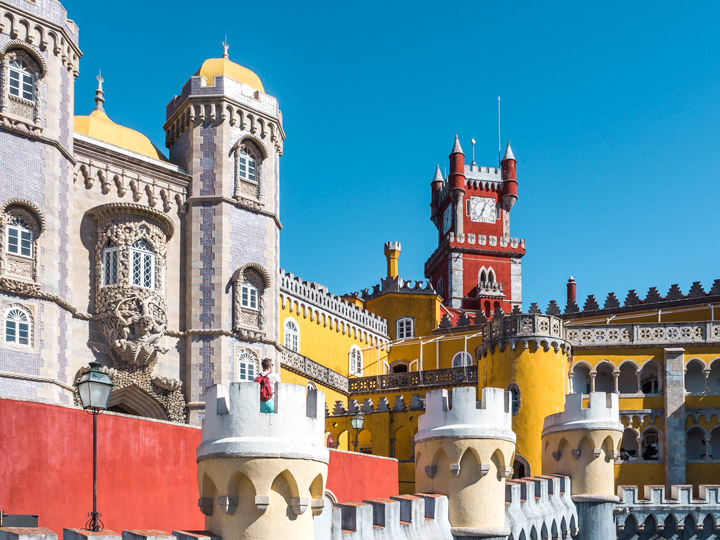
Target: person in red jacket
(267,379)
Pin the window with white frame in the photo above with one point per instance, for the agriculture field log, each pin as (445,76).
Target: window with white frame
(463,358)
(247,165)
(143,264)
(404,328)
(21,80)
(17,327)
(19,239)
(249,296)
(292,335)
(247,367)
(356,361)
(110,264)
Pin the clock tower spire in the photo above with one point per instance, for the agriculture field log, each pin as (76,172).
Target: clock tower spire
(477,263)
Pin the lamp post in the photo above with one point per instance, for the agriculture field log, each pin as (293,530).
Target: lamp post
(357,422)
(94,388)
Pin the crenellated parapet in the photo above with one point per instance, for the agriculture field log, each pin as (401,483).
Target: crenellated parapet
(582,441)
(259,473)
(464,449)
(315,301)
(655,513)
(540,507)
(395,285)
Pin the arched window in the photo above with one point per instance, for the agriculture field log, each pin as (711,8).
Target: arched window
(604,381)
(142,256)
(629,445)
(399,366)
(694,377)
(483,276)
(247,367)
(650,446)
(19,238)
(355,361)
(581,379)
(292,335)
(110,264)
(462,358)
(713,383)
(649,378)
(491,276)
(514,390)
(247,165)
(695,445)
(17,327)
(404,328)
(21,80)
(249,295)
(628,379)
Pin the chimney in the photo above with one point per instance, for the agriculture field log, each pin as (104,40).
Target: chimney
(571,291)
(392,253)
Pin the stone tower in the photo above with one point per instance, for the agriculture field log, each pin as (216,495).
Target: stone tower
(226,132)
(476,264)
(262,476)
(39,61)
(464,449)
(581,442)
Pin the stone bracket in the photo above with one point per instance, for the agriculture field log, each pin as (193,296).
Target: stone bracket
(575,453)
(317,506)
(455,469)
(431,471)
(483,470)
(228,504)
(556,456)
(299,504)
(262,502)
(206,505)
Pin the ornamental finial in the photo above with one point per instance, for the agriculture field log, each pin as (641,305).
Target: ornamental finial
(226,46)
(99,94)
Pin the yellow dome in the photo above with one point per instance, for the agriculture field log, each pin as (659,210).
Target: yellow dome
(99,126)
(224,67)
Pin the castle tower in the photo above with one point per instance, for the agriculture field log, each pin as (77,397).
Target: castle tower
(262,476)
(392,254)
(477,263)
(463,449)
(39,61)
(581,442)
(227,133)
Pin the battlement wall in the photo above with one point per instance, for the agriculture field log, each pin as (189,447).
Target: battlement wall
(316,295)
(540,507)
(602,413)
(657,513)
(458,414)
(235,427)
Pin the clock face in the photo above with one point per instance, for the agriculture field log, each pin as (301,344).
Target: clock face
(483,210)
(447,219)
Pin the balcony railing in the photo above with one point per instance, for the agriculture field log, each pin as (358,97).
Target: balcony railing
(456,376)
(310,369)
(489,288)
(644,334)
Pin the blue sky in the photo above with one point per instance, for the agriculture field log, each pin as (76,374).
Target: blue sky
(612,109)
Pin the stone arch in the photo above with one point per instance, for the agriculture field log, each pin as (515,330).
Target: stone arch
(31,209)
(695,376)
(207,487)
(604,380)
(629,449)
(564,449)
(285,485)
(317,487)
(651,444)
(650,380)
(713,383)
(695,446)
(29,49)
(240,484)
(521,467)
(608,446)
(240,272)
(628,377)
(581,382)
(136,402)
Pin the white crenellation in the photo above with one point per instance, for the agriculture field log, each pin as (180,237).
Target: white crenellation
(650,514)
(456,414)
(540,507)
(602,412)
(334,310)
(234,426)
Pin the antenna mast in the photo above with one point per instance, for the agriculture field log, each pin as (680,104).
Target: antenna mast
(499,140)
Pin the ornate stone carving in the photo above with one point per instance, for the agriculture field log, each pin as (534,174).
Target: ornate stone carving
(244,187)
(18,113)
(249,321)
(27,215)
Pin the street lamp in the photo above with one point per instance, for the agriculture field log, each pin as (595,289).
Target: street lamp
(357,423)
(94,388)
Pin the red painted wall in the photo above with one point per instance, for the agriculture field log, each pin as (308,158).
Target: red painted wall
(356,477)
(146,470)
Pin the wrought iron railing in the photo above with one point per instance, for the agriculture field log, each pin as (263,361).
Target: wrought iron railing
(456,376)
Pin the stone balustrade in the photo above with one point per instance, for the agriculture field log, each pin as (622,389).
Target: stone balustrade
(660,334)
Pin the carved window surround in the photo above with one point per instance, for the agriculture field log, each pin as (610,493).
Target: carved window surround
(249,186)
(24,215)
(132,317)
(250,322)
(17,112)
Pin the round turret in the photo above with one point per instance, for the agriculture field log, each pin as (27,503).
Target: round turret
(509,177)
(259,472)
(464,449)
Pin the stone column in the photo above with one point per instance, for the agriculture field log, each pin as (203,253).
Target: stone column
(674,454)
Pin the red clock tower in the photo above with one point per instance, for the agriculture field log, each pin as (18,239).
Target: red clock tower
(476,264)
